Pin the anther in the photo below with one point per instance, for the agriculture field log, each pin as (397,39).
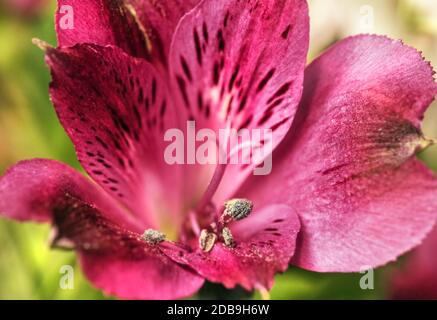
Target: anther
(227,237)
(238,209)
(207,240)
(153,237)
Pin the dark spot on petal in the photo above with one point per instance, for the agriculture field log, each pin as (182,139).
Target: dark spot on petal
(205,32)
(279,124)
(141,95)
(153,91)
(221,41)
(200,100)
(183,89)
(242,104)
(163,108)
(197,47)
(102,143)
(285,33)
(265,80)
(225,21)
(265,118)
(275,104)
(207,111)
(216,74)
(186,69)
(246,123)
(277,234)
(233,77)
(281,91)
(271,229)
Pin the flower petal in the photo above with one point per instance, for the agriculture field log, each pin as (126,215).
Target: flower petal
(348,167)
(102,22)
(241,63)
(160,19)
(116,118)
(143,28)
(265,242)
(114,258)
(118,261)
(418,278)
(29,190)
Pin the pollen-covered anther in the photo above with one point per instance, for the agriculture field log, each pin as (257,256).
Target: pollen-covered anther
(228,238)
(238,209)
(207,240)
(153,237)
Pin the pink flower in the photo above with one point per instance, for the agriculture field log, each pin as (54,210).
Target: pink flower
(345,179)
(417,279)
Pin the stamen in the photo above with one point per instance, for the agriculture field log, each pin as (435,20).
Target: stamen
(227,237)
(153,237)
(207,240)
(238,208)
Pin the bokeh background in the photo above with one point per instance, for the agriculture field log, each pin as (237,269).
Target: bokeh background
(29,129)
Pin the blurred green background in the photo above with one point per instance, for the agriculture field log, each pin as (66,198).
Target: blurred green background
(29,129)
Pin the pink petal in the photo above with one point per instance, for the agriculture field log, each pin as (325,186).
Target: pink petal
(418,278)
(348,166)
(114,258)
(118,261)
(102,22)
(29,190)
(143,28)
(241,62)
(160,19)
(116,118)
(265,242)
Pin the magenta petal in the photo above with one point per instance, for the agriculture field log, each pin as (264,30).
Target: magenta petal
(348,166)
(159,20)
(103,22)
(116,118)
(143,28)
(112,253)
(118,261)
(418,278)
(265,242)
(151,277)
(241,63)
(29,190)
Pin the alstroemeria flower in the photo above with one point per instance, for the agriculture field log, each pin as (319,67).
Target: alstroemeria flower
(417,279)
(345,179)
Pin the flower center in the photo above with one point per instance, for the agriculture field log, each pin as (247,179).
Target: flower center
(235,210)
